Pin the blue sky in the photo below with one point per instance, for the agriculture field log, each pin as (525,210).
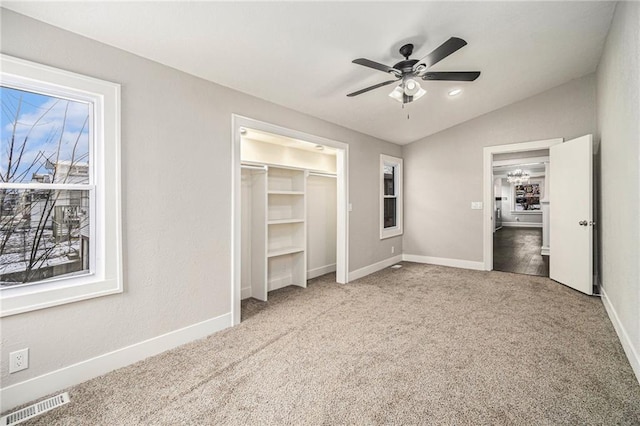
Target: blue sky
(53,128)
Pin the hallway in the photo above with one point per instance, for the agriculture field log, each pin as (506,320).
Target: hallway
(517,250)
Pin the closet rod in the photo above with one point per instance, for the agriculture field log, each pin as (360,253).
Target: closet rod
(248,166)
(322,174)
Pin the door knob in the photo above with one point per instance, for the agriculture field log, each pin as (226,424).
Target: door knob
(583,223)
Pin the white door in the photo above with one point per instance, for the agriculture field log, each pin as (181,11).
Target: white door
(571,214)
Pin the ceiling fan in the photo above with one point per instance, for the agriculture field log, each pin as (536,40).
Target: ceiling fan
(409,70)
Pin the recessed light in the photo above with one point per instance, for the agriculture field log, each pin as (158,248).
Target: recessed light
(319,147)
(455,92)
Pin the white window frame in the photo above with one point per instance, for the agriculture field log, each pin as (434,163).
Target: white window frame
(105,275)
(398,176)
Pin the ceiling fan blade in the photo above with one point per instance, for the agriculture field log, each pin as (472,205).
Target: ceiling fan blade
(375,65)
(441,52)
(359,92)
(451,75)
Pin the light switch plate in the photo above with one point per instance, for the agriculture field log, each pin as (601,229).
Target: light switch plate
(476,205)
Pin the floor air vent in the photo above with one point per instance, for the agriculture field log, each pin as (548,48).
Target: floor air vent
(35,410)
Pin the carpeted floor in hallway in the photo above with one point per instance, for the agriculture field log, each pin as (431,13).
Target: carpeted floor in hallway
(421,344)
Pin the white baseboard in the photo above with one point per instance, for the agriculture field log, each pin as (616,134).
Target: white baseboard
(245,293)
(278,283)
(363,272)
(442,261)
(37,387)
(316,272)
(545,251)
(627,344)
(522,224)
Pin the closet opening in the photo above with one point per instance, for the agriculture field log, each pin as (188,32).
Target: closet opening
(290,208)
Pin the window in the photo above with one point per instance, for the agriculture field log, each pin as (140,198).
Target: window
(390,196)
(59,187)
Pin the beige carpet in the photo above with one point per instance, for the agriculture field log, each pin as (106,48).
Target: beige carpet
(418,345)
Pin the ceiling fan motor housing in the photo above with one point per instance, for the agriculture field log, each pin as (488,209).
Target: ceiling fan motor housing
(406,66)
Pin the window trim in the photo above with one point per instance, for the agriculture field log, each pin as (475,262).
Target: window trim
(398,176)
(107,276)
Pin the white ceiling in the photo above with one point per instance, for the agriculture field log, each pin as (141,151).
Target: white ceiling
(299,54)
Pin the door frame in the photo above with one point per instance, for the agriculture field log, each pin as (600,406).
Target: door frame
(487,188)
(342,187)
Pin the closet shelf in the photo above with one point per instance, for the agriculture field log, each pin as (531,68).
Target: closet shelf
(284,221)
(284,250)
(277,192)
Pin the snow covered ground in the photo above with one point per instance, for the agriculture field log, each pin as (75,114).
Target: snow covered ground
(18,250)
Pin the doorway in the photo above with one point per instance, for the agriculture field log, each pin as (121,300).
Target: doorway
(572,221)
(521,225)
(501,153)
(239,124)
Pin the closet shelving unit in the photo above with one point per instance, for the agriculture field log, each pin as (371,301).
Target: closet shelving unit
(286,227)
(278,227)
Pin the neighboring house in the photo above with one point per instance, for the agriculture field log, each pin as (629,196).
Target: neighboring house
(62,216)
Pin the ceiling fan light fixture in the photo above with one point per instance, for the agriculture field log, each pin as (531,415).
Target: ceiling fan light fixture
(419,94)
(400,94)
(397,94)
(411,87)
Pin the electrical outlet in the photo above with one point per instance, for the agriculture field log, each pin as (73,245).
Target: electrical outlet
(18,360)
(393,249)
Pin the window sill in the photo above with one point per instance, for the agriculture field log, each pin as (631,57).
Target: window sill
(390,232)
(39,296)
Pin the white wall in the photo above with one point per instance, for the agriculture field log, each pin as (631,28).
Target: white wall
(618,97)
(246,192)
(443,172)
(176,154)
(321,225)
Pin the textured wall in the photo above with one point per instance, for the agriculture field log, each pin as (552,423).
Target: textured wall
(443,172)
(619,132)
(176,141)
(321,222)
